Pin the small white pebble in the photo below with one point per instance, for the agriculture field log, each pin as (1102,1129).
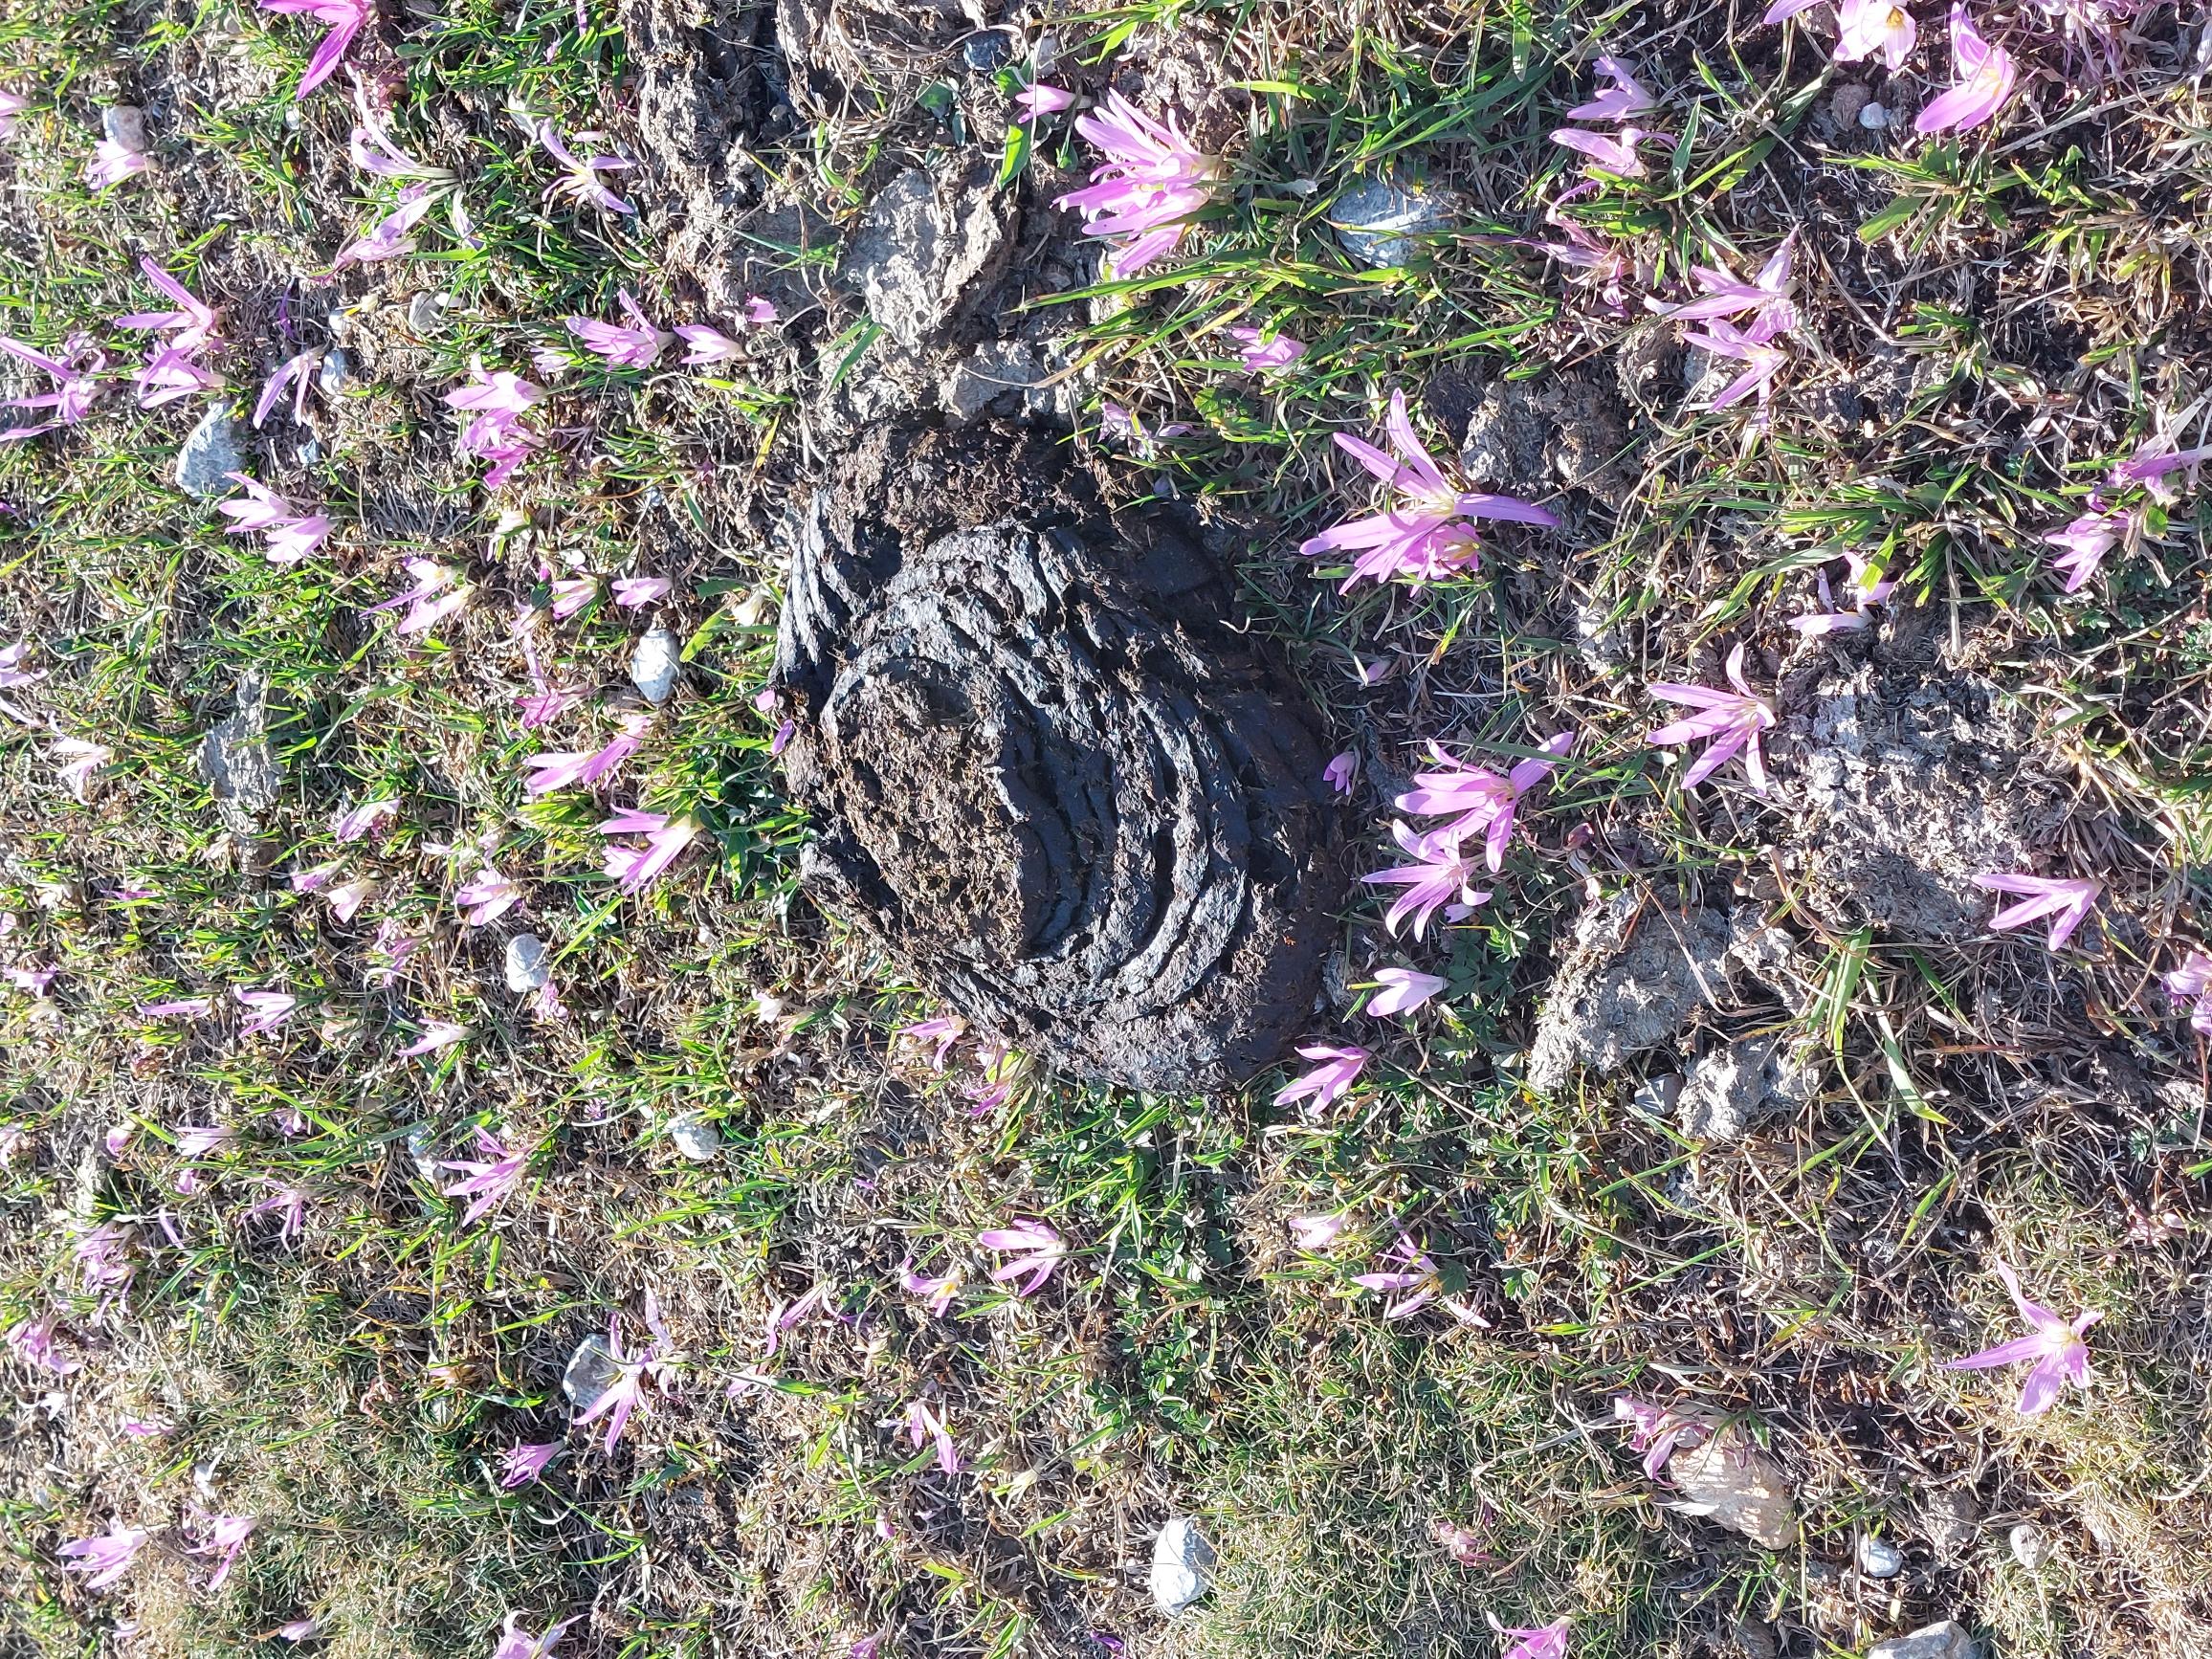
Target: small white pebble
(652,668)
(1873,118)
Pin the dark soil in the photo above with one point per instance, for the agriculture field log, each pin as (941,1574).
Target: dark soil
(1051,775)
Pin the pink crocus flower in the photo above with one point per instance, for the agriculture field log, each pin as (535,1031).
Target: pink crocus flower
(656,1363)
(1441,876)
(1151,183)
(2191,984)
(2084,542)
(265,1010)
(788,1316)
(1414,1283)
(433,593)
(1985,75)
(489,1178)
(1340,771)
(516,1642)
(2052,1344)
(377,153)
(225,1536)
(288,1205)
(636,593)
(1265,353)
(1117,425)
(1038,99)
(177,1009)
(1767,296)
(1607,153)
(706,346)
(521,1465)
(495,402)
(105,1558)
(33,980)
(1730,719)
(1403,991)
(113,163)
(1753,347)
(299,1630)
(298,373)
(1038,1251)
(1476,798)
(393,237)
(2153,459)
(436,1035)
(1424,532)
(103,1257)
(1867,26)
(760,313)
(1865,589)
(76,390)
(581,180)
(1619,101)
(346,20)
(11,105)
(13,673)
(75,761)
(1315,1233)
(1464,1544)
(637,868)
(559,769)
(937,1293)
(487,897)
(923,1422)
(31,1340)
(636,345)
(1537,1642)
(355,822)
(195,322)
(287,534)
(170,374)
(1336,1070)
(1656,1431)
(945,1031)
(2067,901)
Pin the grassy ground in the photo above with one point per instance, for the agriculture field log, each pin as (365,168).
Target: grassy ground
(1990,324)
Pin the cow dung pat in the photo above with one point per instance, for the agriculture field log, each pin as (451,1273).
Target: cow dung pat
(1048,771)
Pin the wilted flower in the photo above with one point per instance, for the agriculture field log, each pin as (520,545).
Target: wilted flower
(113,163)
(656,1363)
(636,868)
(265,1010)
(1264,353)
(195,322)
(490,1179)
(31,1340)
(299,1630)
(581,180)
(2056,1347)
(226,1534)
(297,372)
(1985,74)
(521,1465)
(635,592)
(1624,98)
(1403,991)
(1038,99)
(1753,347)
(1539,1642)
(375,152)
(102,1261)
(1336,1071)
(31,979)
(1476,799)
(288,1205)
(346,18)
(1463,1544)
(177,1009)
(2155,460)
(1603,264)
(2191,984)
(436,1035)
(1606,152)
(355,822)
(2067,901)
(1150,184)
(393,237)
(1424,532)
(1727,294)
(1865,588)
(637,345)
(945,1031)
(1045,1249)
(1732,720)
(105,1558)
(1117,425)
(925,1423)
(75,761)
(76,388)
(13,673)
(487,897)
(1656,1431)
(787,1316)
(516,1642)
(1414,1283)
(1440,875)
(11,105)
(559,769)
(937,1293)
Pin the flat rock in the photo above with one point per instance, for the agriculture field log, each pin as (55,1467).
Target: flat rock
(655,663)
(527,964)
(1378,218)
(925,249)
(1723,1093)
(210,450)
(1949,1640)
(1181,1565)
(125,125)
(1880,1559)
(1636,975)
(695,1136)
(590,1371)
(1004,373)
(238,762)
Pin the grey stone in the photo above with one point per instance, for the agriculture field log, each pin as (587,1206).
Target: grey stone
(310,452)
(1000,371)
(422,1150)
(336,373)
(1655,1096)
(125,125)
(1725,1090)
(425,316)
(1880,1559)
(1637,973)
(1948,1640)
(527,962)
(210,450)
(696,1137)
(591,1370)
(238,762)
(925,248)
(2031,1547)
(1873,118)
(654,663)
(1181,1565)
(1376,217)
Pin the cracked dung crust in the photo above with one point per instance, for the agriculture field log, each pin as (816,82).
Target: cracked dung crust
(1051,779)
